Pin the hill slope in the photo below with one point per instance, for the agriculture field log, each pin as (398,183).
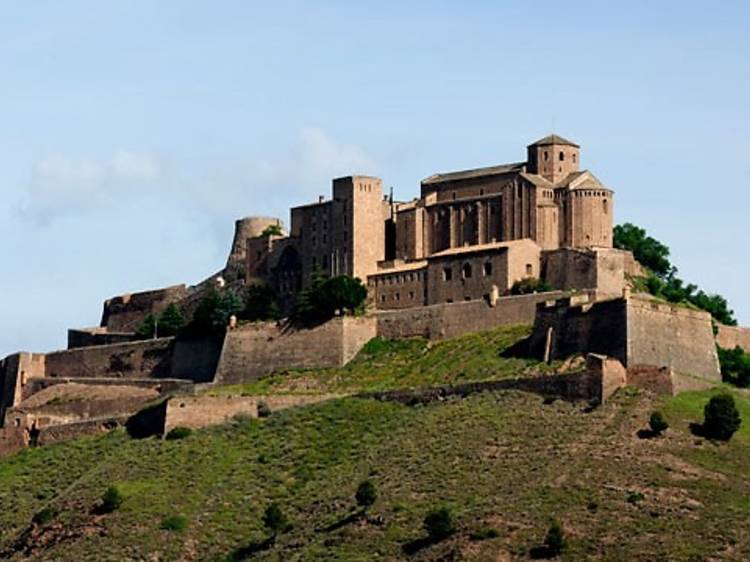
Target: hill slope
(506,460)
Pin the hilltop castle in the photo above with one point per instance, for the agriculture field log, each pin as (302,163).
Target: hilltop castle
(470,234)
(439,266)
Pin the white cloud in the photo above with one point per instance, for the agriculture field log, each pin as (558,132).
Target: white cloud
(61,186)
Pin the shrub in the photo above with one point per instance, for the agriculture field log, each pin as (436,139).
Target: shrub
(274,519)
(366,494)
(174,523)
(111,500)
(721,418)
(179,433)
(147,329)
(528,286)
(554,541)
(439,524)
(44,516)
(264,410)
(657,423)
(635,497)
(484,534)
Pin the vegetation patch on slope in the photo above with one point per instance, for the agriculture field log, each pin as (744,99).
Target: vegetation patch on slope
(409,363)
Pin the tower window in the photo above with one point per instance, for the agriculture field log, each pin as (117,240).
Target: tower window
(466,271)
(447,274)
(487,269)
(562,156)
(605,206)
(529,269)
(546,156)
(574,157)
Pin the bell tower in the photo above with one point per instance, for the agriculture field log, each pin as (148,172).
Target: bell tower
(553,158)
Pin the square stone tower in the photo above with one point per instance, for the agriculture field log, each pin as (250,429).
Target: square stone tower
(553,158)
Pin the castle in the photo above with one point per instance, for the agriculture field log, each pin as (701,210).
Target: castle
(470,234)
(439,266)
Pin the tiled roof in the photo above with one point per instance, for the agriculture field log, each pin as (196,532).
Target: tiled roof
(553,139)
(475,173)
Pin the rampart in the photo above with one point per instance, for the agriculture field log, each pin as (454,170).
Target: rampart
(201,411)
(730,337)
(591,268)
(672,336)
(125,313)
(448,320)
(258,349)
(638,331)
(87,337)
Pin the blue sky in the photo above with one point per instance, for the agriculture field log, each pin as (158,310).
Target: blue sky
(133,133)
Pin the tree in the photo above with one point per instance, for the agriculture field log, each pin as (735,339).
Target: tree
(366,494)
(111,500)
(148,328)
(325,296)
(439,524)
(274,519)
(648,251)
(735,366)
(212,314)
(661,278)
(272,230)
(657,423)
(171,321)
(260,303)
(554,541)
(721,418)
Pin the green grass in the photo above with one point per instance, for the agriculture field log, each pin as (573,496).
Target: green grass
(410,363)
(500,460)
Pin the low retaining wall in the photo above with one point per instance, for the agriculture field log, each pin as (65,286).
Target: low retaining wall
(201,411)
(254,350)
(449,320)
(730,337)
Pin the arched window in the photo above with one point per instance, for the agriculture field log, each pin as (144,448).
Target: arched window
(466,271)
(546,156)
(562,156)
(605,206)
(574,157)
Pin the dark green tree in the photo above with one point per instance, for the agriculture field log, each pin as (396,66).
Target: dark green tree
(366,494)
(721,418)
(325,296)
(554,541)
(260,303)
(111,500)
(171,321)
(439,524)
(272,230)
(657,423)
(148,328)
(274,519)
(647,250)
(735,366)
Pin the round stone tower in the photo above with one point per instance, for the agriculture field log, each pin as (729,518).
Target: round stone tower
(248,227)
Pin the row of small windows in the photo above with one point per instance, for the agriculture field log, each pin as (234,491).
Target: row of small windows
(590,193)
(467,271)
(399,278)
(561,156)
(397,296)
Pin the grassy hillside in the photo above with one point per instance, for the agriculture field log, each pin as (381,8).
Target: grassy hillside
(503,460)
(411,363)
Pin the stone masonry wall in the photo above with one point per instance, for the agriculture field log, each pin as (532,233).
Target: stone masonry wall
(142,359)
(666,335)
(259,349)
(442,321)
(730,337)
(201,411)
(125,313)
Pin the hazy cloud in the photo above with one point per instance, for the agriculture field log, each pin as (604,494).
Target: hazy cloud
(61,186)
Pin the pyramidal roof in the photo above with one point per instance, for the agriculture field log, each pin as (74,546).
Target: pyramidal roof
(553,139)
